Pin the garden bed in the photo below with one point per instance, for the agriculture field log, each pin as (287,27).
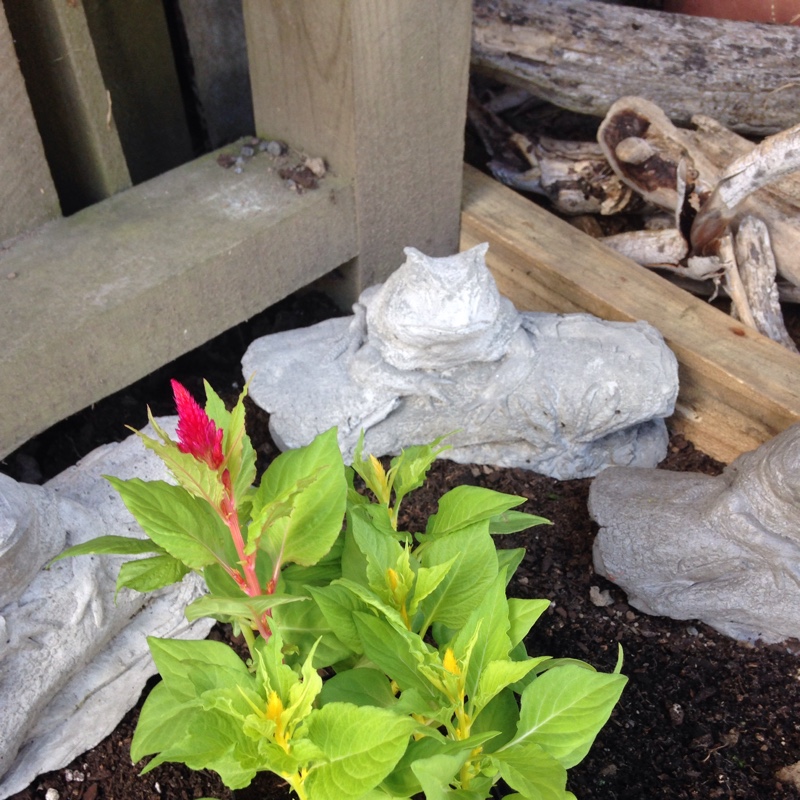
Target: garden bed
(702,717)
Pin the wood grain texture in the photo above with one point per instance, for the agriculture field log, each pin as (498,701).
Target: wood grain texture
(378,88)
(133,48)
(737,388)
(69,99)
(27,194)
(107,295)
(584,55)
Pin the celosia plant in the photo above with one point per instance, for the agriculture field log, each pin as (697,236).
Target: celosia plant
(430,689)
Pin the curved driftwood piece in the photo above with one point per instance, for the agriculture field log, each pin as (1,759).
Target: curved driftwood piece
(758,272)
(664,248)
(583,55)
(776,157)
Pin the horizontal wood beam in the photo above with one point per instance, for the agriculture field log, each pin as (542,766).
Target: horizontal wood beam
(737,388)
(95,301)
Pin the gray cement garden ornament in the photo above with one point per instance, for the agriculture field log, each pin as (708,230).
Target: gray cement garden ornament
(724,550)
(436,350)
(72,660)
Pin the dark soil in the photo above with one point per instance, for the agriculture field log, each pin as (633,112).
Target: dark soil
(702,717)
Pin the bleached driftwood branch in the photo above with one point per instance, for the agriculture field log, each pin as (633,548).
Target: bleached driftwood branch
(583,55)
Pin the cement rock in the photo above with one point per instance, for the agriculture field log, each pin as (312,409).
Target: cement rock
(436,350)
(724,550)
(73,661)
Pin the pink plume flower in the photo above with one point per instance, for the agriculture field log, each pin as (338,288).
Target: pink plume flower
(197,434)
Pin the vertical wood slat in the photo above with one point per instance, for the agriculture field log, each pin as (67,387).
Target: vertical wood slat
(69,100)
(134,51)
(27,194)
(378,87)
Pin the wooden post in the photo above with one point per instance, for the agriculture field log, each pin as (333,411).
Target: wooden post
(27,195)
(378,88)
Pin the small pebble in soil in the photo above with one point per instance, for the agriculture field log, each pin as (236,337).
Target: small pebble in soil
(51,794)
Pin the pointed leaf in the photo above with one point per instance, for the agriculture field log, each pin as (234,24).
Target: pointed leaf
(514,521)
(240,458)
(364,686)
(523,614)
(316,521)
(149,574)
(194,475)
(361,745)
(464,506)
(242,607)
(185,527)
(509,560)
(497,675)
(468,578)
(399,653)
(564,709)
(531,771)
(489,620)
(110,545)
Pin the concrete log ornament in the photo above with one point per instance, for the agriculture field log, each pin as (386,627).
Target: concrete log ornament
(724,550)
(436,350)
(73,660)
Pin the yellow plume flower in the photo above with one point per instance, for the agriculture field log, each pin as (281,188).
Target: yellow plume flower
(449,662)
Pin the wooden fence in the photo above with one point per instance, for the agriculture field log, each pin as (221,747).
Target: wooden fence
(121,249)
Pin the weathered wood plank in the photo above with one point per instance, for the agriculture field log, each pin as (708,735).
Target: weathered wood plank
(135,55)
(377,87)
(27,194)
(107,295)
(215,34)
(738,388)
(69,100)
(584,55)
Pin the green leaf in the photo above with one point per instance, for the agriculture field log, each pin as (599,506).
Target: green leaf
(149,574)
(316,520)
(242,607)
(402,782)
(564,709)
(435,774)
(373,534)
(173,657)
(464,506)
(500,717)
(364,686)
(408,470)
(302,624)
(195,476)
(488,624)
(337,604)
(497,675)
(110,545)
(240,458)
(399,653)
(531,771)
(428,578)
(183,526)
(471,574)
(371,471)
(361,745)
(509,559)
(523,614)
(514,521)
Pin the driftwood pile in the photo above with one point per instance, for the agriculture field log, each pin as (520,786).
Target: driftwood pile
(714,205)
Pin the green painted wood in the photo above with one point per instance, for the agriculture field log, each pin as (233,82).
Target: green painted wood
(104,297)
